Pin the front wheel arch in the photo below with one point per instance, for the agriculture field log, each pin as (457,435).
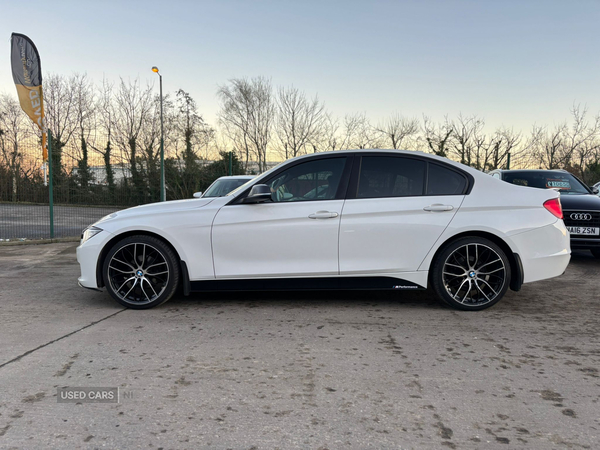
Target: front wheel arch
(516,267)
(118,237)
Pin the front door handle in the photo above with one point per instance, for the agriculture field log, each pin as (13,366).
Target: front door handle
(438,207)
(323,215)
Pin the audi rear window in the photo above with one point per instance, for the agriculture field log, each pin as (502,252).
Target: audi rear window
(562,181)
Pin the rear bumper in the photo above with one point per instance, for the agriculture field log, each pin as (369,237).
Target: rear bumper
(545,252)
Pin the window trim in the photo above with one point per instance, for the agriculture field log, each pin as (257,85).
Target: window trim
(353,185)
(339,195)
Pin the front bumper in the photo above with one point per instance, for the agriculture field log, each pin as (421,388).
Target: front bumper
(88,254)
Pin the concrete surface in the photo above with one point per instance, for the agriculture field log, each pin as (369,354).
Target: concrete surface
(33,221)
(280,370)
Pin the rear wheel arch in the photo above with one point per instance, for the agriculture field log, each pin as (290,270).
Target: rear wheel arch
(516,267)
(119,237)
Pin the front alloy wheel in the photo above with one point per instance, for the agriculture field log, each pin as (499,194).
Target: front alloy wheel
(141,272)
(471,273)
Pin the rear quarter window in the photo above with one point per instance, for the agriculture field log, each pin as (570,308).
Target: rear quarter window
(444,181)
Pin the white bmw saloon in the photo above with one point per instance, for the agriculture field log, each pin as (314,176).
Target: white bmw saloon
(359,219)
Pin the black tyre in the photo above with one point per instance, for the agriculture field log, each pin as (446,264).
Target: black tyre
(471,273)
(141,272)
(595,252)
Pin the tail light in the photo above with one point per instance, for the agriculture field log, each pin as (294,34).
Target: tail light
(554,206)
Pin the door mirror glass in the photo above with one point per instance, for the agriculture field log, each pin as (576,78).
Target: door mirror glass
(259,193)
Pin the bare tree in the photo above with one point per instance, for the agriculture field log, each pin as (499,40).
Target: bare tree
(15,129)
(438,137)
(247,114)
(299,121)
(503,143)
(468,139)
(104,131)
(583,141)
(397,129)
(133,106)
(60,109)
(84,116)
(359,133)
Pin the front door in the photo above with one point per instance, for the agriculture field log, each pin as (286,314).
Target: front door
(296,234)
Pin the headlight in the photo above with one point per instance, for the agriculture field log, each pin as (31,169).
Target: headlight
(89,233)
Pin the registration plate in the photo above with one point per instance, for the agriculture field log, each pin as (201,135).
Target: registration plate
(584,230)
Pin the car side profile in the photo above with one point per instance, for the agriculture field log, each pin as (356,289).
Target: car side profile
(357,219)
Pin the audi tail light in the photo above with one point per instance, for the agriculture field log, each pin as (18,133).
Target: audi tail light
(553,205)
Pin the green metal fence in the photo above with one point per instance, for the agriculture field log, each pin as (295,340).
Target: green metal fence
(61,198)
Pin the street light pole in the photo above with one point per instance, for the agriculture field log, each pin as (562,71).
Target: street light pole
(162,141)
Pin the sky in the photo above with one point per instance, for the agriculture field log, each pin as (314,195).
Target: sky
(514,63)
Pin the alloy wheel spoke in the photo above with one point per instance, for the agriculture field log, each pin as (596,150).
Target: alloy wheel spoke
(122,271)
(468,290)
(150,284)
(123,262)
(460,287)
(480,290)
(158,273)
(488,285)
(487,264)
(134,284)
(125,282)
(154,265)
(144,291)
(489,273)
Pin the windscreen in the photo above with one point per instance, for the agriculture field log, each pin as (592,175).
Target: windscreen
(223,187)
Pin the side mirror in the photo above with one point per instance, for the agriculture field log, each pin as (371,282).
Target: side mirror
(259,193)
(595,190)
(197,194)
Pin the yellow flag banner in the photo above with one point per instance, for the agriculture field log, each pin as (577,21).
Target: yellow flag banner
(27,75)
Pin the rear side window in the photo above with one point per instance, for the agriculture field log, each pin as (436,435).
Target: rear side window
(443,181)
(383,176)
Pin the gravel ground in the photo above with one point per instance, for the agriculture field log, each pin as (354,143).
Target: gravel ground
(290,370)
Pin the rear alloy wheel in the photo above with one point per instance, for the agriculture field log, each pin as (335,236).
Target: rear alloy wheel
(471,273)
(141,272)
(595,252)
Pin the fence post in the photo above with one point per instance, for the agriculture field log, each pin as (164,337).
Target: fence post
(508,161)
(230,163)
(50,185)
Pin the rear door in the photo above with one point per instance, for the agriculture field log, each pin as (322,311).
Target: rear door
(396,209)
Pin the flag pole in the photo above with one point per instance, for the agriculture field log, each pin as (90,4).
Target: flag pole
(50,189)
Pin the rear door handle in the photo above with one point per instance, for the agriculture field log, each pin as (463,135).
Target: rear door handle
(438,207)
(323,215)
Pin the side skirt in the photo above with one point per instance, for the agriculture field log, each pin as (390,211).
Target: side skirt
(299,284)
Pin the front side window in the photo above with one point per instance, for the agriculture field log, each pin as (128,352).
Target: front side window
(309,181)
(389,176)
